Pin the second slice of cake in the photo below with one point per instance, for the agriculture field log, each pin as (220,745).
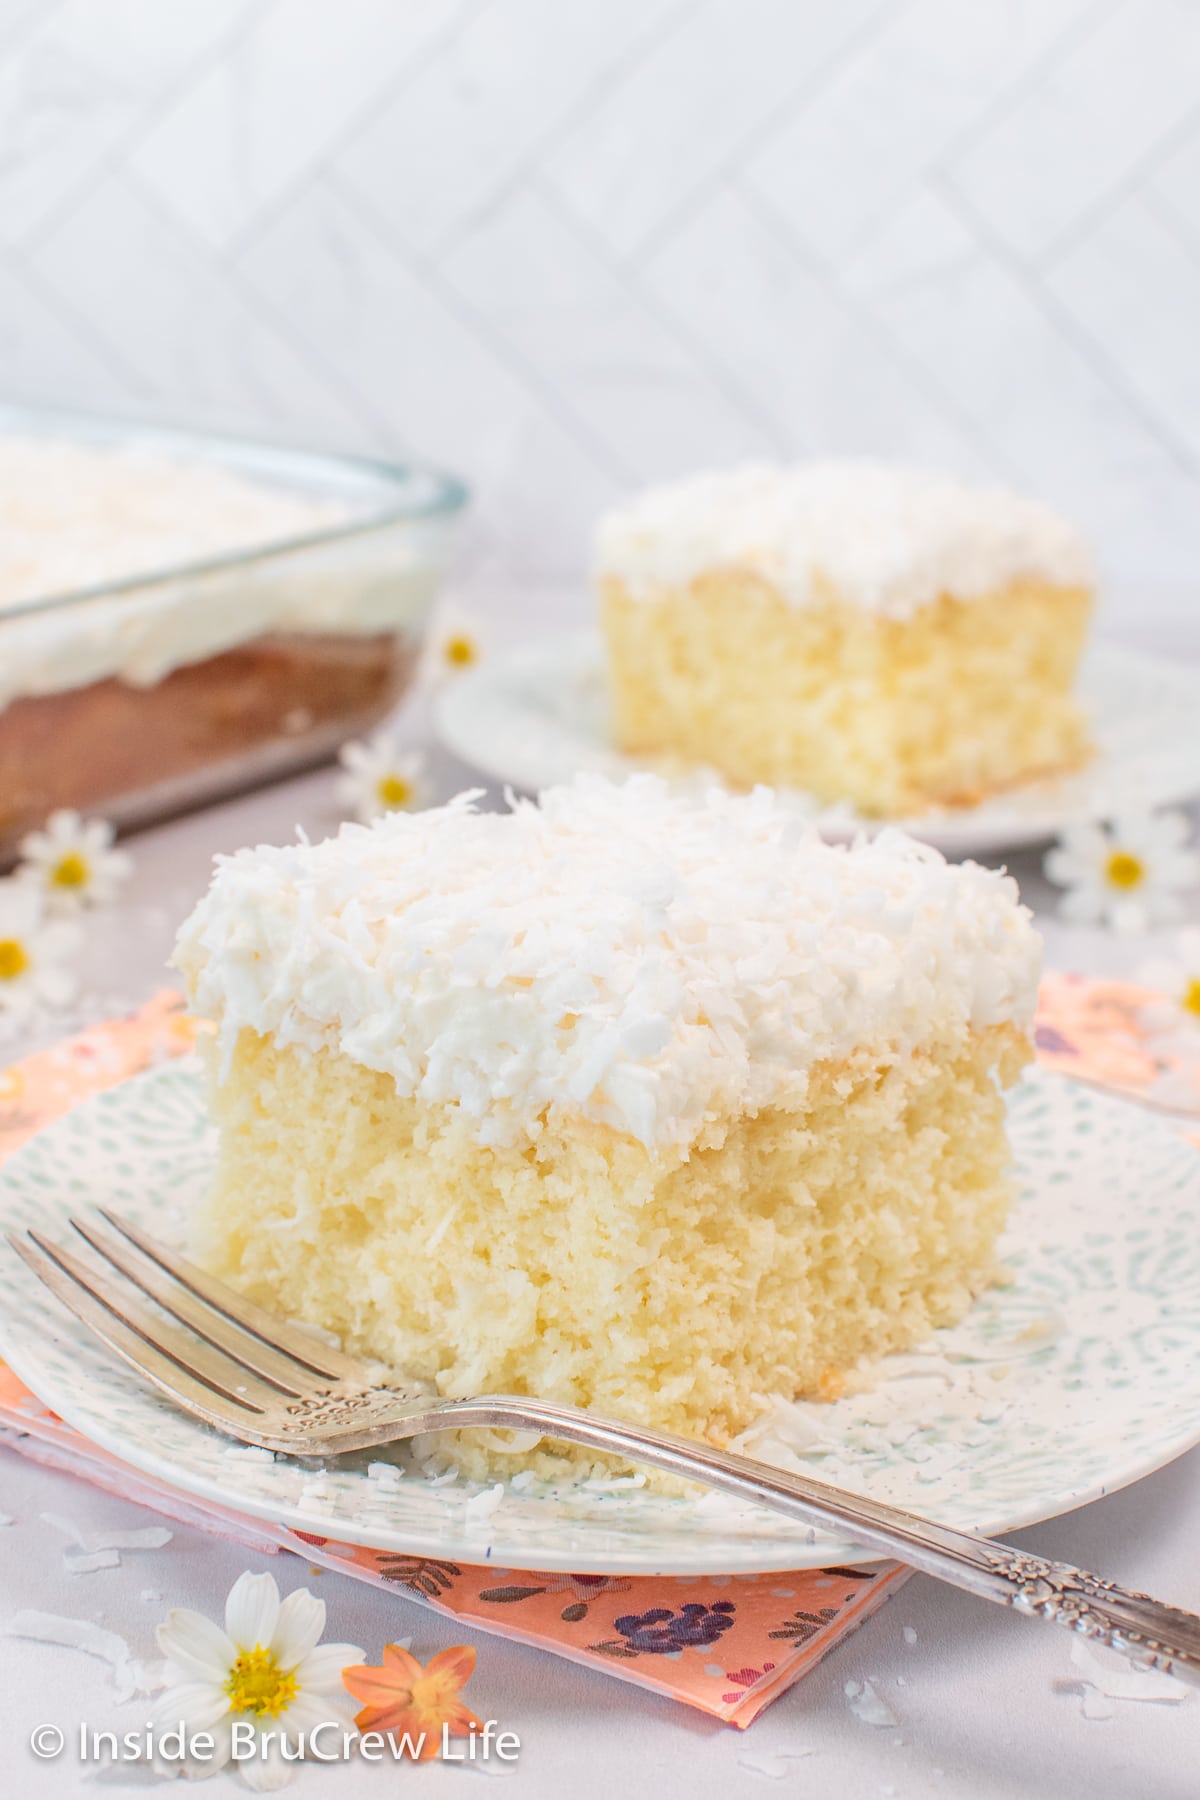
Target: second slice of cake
(646,1103)
(859,631)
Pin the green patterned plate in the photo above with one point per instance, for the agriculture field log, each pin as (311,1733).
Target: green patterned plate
(1079,1376)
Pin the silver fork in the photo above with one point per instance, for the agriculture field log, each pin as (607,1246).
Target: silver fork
(266,1382)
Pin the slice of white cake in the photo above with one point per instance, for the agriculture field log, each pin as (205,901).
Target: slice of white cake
(649,1103)
(862,632)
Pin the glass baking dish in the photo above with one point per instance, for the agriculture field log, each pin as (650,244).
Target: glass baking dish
(159,688)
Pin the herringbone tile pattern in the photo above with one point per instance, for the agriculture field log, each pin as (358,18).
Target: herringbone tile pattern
(568,247)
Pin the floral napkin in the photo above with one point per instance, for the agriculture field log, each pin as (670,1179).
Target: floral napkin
(726,1644)
(1097,1031)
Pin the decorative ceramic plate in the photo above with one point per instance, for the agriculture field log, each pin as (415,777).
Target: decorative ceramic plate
(1079,1376)
(539,715)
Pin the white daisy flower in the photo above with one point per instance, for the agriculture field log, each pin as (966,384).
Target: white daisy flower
(32,951)
(381,777)
(74,863)
(1174,1021)
(453,644)
(267,1668)
(1129,875)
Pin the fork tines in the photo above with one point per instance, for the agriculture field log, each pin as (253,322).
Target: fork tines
(233,1364)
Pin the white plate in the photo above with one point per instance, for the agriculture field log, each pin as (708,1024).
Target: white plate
(1078,1377)
(538,715)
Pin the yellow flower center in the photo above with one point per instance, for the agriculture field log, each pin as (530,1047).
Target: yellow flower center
(1124,870)
(71,872)
(460,651)
(257,1684)
(1191,996)
(394,790)
(430,1694)
(14,959)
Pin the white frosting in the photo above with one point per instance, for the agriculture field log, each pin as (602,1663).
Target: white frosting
(644,958)
(887,539)
(77,516)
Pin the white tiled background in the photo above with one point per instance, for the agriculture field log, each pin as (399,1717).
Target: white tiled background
(566,246)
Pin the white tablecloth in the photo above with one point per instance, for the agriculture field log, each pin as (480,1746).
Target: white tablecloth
(988,1704)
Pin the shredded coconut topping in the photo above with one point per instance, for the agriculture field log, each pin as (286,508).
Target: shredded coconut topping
(76,517)
(649,959)
(887,539)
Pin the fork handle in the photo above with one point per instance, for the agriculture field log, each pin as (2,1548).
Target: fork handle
(1153,1634)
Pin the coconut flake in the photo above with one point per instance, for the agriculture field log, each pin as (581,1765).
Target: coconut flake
(869,1706)
(86,1562)
(442,1227)
(77,1634)
(144,1537)
(316,1494)
(774,1764)
(480,1507)
(1115,1677)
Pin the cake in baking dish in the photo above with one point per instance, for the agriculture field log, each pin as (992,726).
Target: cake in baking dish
(633,1099)
(181,619)
(863,632)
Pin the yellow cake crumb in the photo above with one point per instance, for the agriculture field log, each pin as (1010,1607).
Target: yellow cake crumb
(681,1288)
(894,715)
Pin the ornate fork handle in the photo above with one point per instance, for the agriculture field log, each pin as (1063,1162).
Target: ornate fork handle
(1151,1633)
(1120,1617)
